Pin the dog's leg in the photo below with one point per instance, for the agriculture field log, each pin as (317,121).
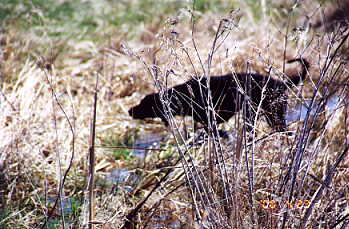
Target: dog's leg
(276,115)
(249,117)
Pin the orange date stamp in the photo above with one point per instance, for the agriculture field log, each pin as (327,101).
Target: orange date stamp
(274,204)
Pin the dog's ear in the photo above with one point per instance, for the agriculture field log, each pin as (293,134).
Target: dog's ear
(130,112)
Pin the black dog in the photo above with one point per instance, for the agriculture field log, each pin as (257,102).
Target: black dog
(228,93)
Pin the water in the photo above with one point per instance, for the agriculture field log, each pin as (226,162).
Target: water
(300,111)
(144,142)
(126,177)
(118,175)
(67,204)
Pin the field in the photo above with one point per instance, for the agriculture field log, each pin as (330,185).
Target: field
(72,157)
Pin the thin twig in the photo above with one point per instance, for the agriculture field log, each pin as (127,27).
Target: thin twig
(92,157)
(131,148)
(72,129)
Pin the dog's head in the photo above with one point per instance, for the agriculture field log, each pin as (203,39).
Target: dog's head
(147,107)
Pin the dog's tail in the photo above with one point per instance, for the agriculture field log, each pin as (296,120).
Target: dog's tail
(295,79)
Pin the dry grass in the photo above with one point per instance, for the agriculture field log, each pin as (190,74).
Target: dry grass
(47,101)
